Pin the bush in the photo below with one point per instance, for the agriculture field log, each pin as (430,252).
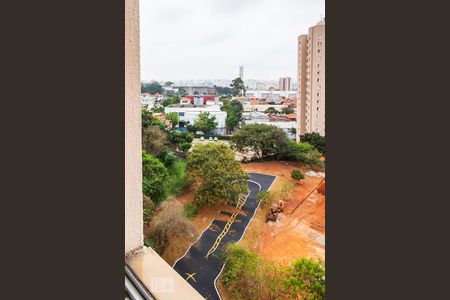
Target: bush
(286,190)
(169,222)
(176,180)
(168,158)
(307,278)
(266,198)
(314,139)
(184,147)
(297,175)
(248,276)
(154,174)
(301,152)
(190,211)
(148,209)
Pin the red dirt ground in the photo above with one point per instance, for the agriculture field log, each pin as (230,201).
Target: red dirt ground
(300,230)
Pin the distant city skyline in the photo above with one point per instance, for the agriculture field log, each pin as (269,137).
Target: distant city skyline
(182,40)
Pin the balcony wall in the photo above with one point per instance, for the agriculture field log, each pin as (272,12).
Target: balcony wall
(133,166)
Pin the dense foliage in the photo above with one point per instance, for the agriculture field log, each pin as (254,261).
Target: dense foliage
(260,139)
(174,119)
(205,122)
(287,110)
(170,100)
(302,152)
(169,222)
(234,109)
(271,110)
(307,278)
(216,175)
(154,140)
(248,276)
(151,88)
(297,175)
(314,139)
(238,86)
(154,174)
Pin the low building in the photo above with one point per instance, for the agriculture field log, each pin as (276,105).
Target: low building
(284,122)
(262,107)
(188,113)
(274,96)
(195,89)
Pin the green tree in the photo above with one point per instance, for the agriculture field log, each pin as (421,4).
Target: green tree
(261,139)
(205,122)
(297,175)
(154,174)
(184,146)
(170,100)
(287,110)
(182,92)
(215,173)
(234,109)
(168,83)
(271,110)
(293,131)
(307,278)
(238,85)
(154,140)
(302,152)
(314,139)
(146,118)
(152,88)
(174,118)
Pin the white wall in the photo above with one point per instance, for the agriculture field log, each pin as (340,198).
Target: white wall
(133,164)
(191,114)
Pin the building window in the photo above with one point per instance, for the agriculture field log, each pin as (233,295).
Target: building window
(181,114)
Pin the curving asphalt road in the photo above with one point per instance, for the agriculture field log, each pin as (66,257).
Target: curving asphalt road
(202,273)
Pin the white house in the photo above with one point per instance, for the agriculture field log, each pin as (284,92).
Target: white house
(188,113)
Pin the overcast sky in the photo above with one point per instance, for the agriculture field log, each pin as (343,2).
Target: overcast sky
(200,39)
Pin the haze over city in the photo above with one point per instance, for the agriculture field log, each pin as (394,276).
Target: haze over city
(200,40)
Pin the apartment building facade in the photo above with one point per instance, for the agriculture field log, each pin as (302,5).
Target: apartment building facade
(311,81)
(284,84)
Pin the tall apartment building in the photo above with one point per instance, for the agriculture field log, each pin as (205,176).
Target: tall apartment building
(284,84)
(241,72)
(311,81)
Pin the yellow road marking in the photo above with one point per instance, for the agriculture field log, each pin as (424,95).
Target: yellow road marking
(190,276)
(241,201)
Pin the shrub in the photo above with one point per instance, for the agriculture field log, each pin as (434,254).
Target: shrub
(247,276)
(170,221)
(190,211)
(148,209)
(184,147)
(307,278)
(176,180)
(154,174)
(297,175)
(168,158)
(314,139)
(301,152)
(266,197)
(286,190)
